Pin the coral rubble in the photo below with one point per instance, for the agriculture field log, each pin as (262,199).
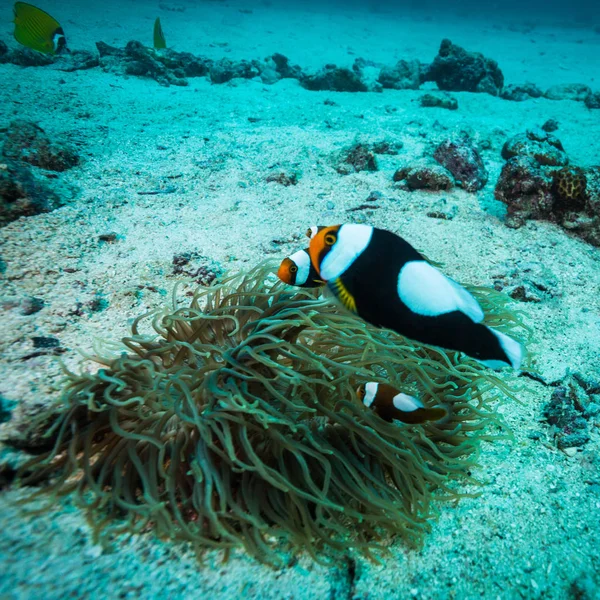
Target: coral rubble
(461,157)
(335,79)
(537,182)
(22,194)
(439,101)
(455,69)
(29,143)
(545,148)
(424,175)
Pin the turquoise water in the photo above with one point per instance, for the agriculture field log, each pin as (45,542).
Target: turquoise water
(127,172)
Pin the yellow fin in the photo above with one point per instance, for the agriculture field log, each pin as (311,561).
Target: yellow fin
(343,295)
(36,29)
(159,36)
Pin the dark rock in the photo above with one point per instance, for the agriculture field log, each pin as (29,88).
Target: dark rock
(225,70)
(6,409)
(28,142)
(443,210)
(25,57)
(106,50)
(45,342)
(145,62)
(568,91)
(31,305)
(77,60)
(358,157)
(283,178)
(569,196)
(405,75)
(284,69)
(199,268)
(3,49)
(167,67)
(526,281)
(520,93)
(439,101)
(374,196)
(567,413)
(424,176)
(21,194)
(30,429)
(545,148)
(592,100)
(368,72)
(387,147)
(108,238)
(460,156)
(335,79)
(526,189)
(455,69)
(550,125)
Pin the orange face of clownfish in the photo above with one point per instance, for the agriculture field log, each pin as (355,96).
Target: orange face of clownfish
(390,403)
(321,242)
(297,270)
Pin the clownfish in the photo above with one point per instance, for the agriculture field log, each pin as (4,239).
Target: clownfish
(37,30)
(298,270)
(380,277)
(390,403)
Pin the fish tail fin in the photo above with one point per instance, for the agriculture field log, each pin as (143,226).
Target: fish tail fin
(511,350)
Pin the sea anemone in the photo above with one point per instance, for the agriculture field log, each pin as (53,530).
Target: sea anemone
(236,423)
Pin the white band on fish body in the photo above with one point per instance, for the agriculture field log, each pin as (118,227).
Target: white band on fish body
(406,403)
(370,393)
(351,243)
(428,292)
(302,260)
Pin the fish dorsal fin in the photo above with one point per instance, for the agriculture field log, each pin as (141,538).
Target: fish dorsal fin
(341,292)
(159,36)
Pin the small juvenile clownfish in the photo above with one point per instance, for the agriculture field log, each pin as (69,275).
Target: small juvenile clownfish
(37,30)
(390,403)
(298,270)
(380,277)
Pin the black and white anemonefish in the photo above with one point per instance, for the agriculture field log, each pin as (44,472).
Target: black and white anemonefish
(385,281)
(298,270)
(390,403)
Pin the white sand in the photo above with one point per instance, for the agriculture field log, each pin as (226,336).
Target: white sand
(535,528)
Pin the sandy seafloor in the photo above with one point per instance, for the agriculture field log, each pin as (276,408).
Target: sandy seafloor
(535,530)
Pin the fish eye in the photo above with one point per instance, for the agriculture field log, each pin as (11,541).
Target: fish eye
(293,269)
(330,239)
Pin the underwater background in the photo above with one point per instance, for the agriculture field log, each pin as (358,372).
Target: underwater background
(470,129)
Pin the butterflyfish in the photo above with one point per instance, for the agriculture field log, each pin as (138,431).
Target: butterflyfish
(159,36)
(37,30)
